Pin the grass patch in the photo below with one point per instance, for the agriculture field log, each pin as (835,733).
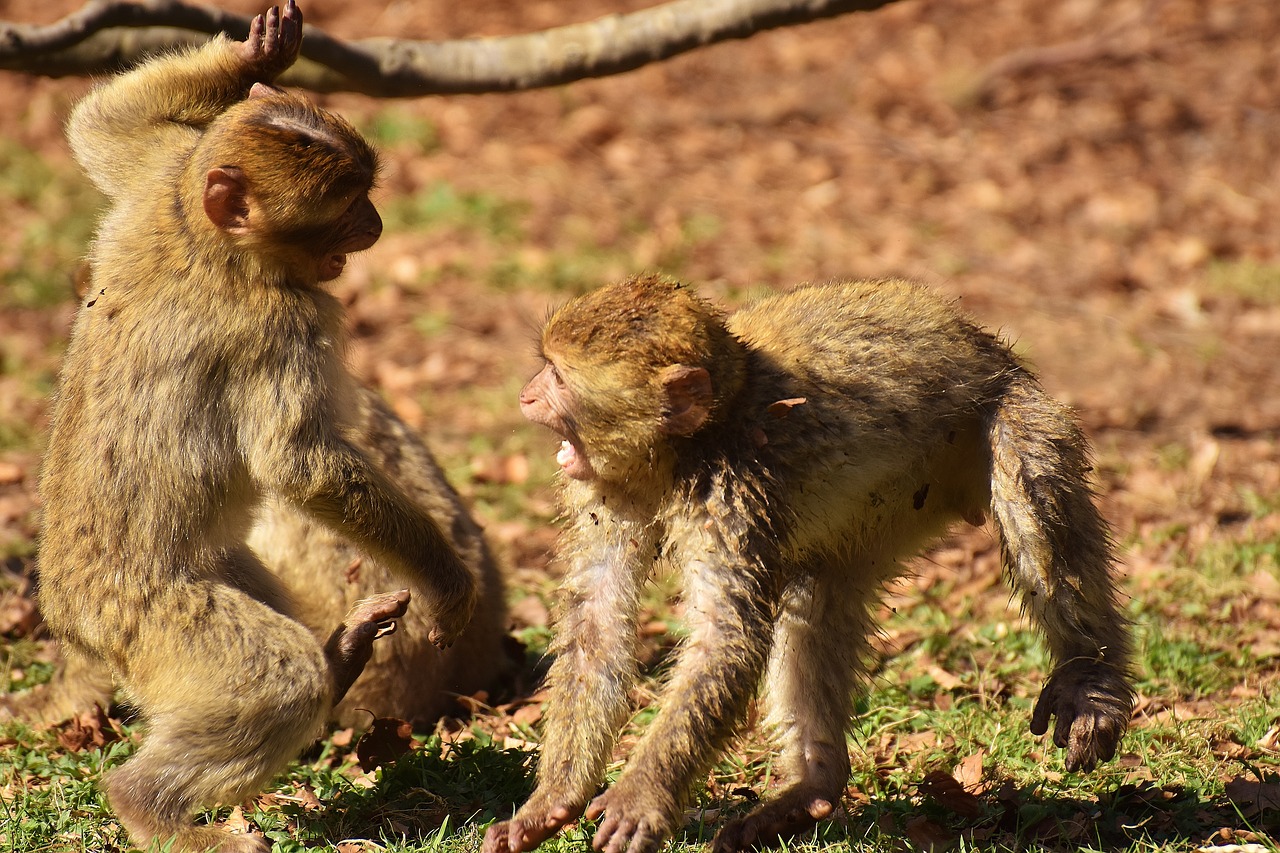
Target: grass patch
(55,210)
(1251,279)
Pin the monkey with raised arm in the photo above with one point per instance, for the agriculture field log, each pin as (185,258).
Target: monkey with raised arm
(786,459)
(204,374)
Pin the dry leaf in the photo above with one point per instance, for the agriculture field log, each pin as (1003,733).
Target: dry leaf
(91,729)
(386,740)
(782,408)
(1253,797)
(969,772)
(237,823)
(942,788)
(928,835)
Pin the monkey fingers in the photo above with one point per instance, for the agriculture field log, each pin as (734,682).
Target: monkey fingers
(632,824)
(1092,702)
(793,812)
(274,41)
(351,644)
(522,834)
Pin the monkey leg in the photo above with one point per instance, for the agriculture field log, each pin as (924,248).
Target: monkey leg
(229,698)
(1058,554)
(351,643)
(816,667)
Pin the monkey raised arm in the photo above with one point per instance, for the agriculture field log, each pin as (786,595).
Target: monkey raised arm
(166,103)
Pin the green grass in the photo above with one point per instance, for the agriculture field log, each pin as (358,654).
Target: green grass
(55,209)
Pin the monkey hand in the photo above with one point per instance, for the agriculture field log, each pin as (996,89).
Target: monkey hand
(273,43)
(452,606)
(1093,702)
(527,829)
(635,821)
(794,811)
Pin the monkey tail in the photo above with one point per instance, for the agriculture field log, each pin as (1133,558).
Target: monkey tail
(1057,548)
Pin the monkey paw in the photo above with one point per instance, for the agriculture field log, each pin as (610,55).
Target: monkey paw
(274,41)
(633,822)
(525,832)
(790,813)
(1093,702)
(451,618)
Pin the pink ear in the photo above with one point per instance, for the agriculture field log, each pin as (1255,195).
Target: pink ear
(689,397)
(226,199)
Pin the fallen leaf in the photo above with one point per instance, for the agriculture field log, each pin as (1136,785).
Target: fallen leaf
(237,823)
(91,729)
(782,408)
(969,772)
(928,835)
(942,788)
(1252,796)
(387,739)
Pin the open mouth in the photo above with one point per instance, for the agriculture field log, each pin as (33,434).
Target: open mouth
(334,265)
(572,462)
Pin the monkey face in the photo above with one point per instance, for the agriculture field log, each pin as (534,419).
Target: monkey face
(547,400)
(358,228)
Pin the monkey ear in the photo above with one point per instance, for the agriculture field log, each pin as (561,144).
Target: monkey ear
(226,199)
(263,90)
(688,398)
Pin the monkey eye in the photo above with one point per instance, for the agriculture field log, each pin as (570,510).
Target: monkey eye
(555,374)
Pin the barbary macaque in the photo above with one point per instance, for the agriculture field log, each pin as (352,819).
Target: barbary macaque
(204,375)
(324,575)
(786,459)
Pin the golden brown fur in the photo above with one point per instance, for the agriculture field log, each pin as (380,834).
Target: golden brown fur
(786,459)
(408,677)
(205,373)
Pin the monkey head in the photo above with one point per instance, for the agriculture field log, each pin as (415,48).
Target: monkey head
(627,368)
(289,183)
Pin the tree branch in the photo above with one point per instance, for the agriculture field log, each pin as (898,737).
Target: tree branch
(91,40)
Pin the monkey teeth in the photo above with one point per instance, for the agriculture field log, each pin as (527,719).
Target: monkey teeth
(567,454)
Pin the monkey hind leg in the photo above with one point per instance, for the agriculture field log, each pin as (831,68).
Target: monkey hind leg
(227,705)
(816,668)
(1058,555)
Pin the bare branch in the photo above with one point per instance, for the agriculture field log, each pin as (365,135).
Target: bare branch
(92,40)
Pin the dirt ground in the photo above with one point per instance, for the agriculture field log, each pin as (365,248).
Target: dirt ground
(1110,204)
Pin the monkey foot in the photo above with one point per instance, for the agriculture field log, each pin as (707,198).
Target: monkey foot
(1093,702)
(521,834)
(793,812)
(351,644)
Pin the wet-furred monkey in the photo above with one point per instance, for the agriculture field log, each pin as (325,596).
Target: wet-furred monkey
(204,375)
(785,459)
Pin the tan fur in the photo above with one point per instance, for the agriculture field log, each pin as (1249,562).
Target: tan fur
(862,418)
(204,373)
(407,677)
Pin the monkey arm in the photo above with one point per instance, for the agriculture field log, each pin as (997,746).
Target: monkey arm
(591,676)
(333,481)
(729,602)
(162,106)
(154,110)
